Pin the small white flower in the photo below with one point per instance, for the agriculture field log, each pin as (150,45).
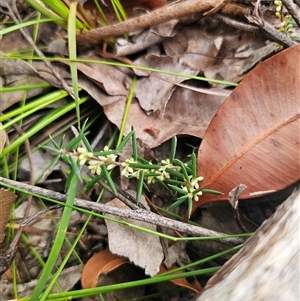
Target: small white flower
(95,167)
(127,171)
(81,150)
(196,196)
(110,166)
(195,182)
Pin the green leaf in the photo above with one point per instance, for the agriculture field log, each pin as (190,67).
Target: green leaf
(178,202)
(179,190)
(134,147)
(73,144)
(174,173)
(94,181)
(183,169)
(124,141)
(108,178)
(144,166)
(46,12)
(173,149)
(190,206)
(105,153)
(194,165)
(211,191)
(140,186)
(175,182)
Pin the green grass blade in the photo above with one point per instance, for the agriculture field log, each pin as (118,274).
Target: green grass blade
(57,245)
(32,107)
(127,109)
(46,12)
(73,55)
(26,24)
(46,120)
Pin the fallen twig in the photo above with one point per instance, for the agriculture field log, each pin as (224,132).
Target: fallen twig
(293,9)
(276,35)
(138,214)
(173,11)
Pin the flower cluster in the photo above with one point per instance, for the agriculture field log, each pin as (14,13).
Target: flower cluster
(95,163)
(127,170)
(152,175)
(192,188)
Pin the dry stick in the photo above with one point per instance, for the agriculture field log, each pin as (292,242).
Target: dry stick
(293,9)
(138,214)
(173,11)
(254,29)
(237,24)
(257,19)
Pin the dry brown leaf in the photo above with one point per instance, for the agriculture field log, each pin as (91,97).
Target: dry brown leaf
(109,78)
(101,263)
(188,112)
(182,282)
(161,90)
(218,51)
(7,198)
(254,137)
(145,39)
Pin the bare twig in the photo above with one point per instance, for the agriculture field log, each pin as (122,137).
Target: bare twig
(237,24)
(173,11)
(138,214)
(276,35)
(293,9)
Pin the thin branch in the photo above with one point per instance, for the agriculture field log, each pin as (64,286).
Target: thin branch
(138,214)
(276,35)
(293,9)
(167,13)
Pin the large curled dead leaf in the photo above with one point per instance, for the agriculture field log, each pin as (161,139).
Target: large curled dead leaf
(102,262)
(254,137)
(105,268)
